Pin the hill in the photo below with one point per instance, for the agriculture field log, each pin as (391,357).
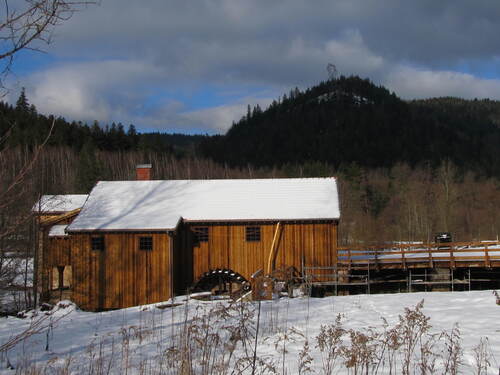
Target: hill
(351,120)
(25,127)
(348,128)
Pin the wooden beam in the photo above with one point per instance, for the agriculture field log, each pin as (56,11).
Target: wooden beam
(55,219)
(274,247)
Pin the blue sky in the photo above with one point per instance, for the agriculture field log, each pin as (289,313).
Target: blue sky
(194,66)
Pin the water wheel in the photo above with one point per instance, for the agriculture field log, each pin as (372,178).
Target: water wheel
(222,282)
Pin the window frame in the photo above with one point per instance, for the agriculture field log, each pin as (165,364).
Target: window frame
(97,239)
(145,243)
(201,234)
(253,233)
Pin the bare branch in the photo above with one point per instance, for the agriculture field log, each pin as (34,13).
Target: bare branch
(28,166)
(30,23)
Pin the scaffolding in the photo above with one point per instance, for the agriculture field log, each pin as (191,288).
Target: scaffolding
(427,279)
(409,280)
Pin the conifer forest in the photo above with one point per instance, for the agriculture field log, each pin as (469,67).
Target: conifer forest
(406,169)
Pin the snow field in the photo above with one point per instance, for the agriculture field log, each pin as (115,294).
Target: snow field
(204,335)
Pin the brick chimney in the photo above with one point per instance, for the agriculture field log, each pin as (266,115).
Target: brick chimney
(143,172)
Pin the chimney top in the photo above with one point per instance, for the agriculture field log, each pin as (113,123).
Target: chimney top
(143,172)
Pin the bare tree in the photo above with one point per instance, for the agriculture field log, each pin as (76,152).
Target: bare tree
(17,188)
(28,24)
(24,25)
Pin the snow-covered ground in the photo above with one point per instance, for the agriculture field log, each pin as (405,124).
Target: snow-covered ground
(12,283)
(148,339)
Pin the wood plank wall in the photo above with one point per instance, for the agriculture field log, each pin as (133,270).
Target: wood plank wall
(121,275)
(53,252)
(58,252)
(313,243)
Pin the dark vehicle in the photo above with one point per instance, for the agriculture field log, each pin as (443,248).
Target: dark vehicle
(442,237)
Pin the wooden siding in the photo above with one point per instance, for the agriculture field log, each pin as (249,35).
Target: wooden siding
(58,252)
(121,275)
(308,244)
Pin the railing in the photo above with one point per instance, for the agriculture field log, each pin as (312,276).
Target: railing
(329,276)
(455,254)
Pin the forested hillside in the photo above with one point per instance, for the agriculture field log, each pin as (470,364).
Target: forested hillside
(27,128)
(350,120)
(406,169)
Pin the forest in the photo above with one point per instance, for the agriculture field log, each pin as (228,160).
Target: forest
(350,120)
(406,170)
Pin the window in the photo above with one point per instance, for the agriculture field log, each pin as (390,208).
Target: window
(252,234)
(201,234)
(97,242)
(145,243)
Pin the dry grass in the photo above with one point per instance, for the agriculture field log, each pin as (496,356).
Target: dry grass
(219,339)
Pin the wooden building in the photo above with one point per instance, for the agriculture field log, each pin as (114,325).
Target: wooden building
(138,242)
(53,263)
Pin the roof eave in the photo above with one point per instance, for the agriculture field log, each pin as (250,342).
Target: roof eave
(274,220)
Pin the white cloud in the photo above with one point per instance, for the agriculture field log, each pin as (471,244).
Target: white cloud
(90,91)
(135,51)
(351,54)
(409,83)
(120,91)
(220,118)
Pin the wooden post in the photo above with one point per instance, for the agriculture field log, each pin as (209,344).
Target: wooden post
(101,300)
(452,280)
(487,261)
(36,260)
(273,252)
(336,280)
(368,278)
(425,279)
(469,280)
(409,281)
(171,264)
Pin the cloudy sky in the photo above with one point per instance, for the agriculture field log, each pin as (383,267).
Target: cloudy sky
(193,65)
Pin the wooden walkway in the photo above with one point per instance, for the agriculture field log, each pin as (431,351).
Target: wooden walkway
(432,255)
(409,267)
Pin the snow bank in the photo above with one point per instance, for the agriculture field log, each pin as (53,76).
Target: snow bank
(146,333)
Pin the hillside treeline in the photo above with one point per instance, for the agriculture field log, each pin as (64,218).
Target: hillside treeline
(387,204)
(25,127)
(393,185)
(350,120)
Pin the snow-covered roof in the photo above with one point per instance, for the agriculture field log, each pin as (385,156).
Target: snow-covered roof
(58,231)
(59,203)
(160,205)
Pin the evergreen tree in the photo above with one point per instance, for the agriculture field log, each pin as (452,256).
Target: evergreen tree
(22,102)
(89,169)
(32,110)
(133,136)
